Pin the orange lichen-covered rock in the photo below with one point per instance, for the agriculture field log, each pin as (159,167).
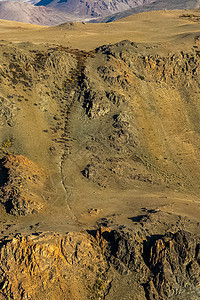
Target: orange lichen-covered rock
(52,266)
(21,185)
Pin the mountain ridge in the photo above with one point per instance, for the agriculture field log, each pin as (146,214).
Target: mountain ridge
(154,6)
(92,8)
(29,13)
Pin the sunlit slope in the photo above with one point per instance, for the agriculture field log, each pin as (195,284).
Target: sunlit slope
(110,121)
(99,159)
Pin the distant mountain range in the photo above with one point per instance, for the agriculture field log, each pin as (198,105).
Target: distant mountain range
(154,6)
(92,8)
(29,13)
(26,1)
(54,12)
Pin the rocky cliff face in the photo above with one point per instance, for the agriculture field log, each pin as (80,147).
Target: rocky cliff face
(166,266)
(52,266)
(79,266)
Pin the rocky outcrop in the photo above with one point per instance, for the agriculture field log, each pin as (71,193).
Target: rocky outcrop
(123,249)
(95,103)
(168,267)
(77,266)
(22,185)
(90,265)
(175,67)
(175,264)
(52,266)
(124,134)
(8,110)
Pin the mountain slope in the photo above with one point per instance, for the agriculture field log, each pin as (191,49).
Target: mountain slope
(26,1)
(28,13)
(154,6)
(99,159)
(92,8)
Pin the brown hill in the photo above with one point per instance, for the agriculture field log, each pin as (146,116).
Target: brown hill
(106,138)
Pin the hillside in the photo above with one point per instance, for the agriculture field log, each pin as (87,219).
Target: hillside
(99,159)
(154,6)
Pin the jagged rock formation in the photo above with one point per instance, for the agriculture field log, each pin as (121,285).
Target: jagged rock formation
(174,261)
(7,112)
(77,266)
(52,266)
(167,266)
